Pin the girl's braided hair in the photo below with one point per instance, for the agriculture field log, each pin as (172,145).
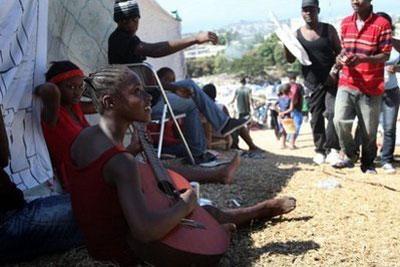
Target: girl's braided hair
(108,80)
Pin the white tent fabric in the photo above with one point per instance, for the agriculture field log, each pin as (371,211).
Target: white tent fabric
(23,26)
(157,25)
(79,31)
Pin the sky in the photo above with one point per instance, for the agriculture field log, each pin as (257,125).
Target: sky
(200,15)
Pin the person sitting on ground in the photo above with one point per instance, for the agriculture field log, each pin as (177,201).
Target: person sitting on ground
(124,47)
(62,115)
(296,96)
(285,105)
(200,102)
(244,132)
(113,214)
(63,119)
(27,230)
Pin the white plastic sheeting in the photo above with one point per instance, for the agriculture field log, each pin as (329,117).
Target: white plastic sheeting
(79,31)
(23,46)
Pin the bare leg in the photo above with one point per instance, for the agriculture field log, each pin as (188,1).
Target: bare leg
(264,210)
(277,134)
(283,140)
(223,174)
(293,142)
(245,134)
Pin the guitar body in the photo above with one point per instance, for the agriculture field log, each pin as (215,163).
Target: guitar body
(195,246)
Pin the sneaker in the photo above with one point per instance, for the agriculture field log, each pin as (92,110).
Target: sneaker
(234,124)
(343,163)
(333,157)
(388,168)
(204,158)
(368,170)
(378,159)
(319,158)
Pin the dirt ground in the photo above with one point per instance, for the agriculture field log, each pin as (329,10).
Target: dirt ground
(355,224)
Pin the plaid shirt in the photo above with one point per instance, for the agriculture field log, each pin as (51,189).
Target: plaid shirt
(374,38)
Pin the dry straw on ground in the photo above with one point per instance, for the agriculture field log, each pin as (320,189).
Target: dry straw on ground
(355,225)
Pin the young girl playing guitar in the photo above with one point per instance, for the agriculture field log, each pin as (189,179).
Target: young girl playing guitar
(126,212)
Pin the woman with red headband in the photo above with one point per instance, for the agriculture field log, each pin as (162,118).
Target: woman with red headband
(63,119)
(63,112)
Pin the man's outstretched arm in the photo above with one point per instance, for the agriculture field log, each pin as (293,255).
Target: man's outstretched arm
(162,49)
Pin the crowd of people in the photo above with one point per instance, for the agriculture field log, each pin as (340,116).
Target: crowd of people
(358,56)
(114,203)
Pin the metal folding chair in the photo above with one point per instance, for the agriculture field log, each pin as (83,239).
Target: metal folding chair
(151,82)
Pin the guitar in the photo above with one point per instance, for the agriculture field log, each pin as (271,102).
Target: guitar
(199,240)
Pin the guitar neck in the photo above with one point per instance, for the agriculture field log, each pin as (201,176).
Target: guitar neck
(159,171)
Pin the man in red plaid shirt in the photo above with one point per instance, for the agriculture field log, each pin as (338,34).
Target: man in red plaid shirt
(366,42)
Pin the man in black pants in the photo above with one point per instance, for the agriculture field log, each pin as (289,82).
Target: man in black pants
(322,44)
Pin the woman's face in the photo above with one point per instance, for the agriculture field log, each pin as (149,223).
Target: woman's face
(133,103)
(71,90)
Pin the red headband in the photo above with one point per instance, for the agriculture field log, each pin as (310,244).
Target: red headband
(66,75)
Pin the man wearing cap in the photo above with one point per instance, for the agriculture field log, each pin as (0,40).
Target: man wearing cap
(185,96)
(367,42)
(322,44)
(125,47)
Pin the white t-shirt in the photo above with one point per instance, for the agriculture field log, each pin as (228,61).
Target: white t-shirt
(390,78)
(360,24)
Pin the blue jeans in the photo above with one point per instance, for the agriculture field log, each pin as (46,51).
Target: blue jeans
(193,128)
(297,117)
(390,110)
(43,226)
(352,103)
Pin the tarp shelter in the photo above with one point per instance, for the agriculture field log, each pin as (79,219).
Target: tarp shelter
(35,32)
(79,30)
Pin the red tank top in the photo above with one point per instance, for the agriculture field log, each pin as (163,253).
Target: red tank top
(60,137)
(97,209)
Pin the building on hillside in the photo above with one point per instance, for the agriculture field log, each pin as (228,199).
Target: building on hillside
(202,51)
(79,30)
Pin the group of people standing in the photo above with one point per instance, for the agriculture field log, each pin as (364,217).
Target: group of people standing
(346,80)
(106,189)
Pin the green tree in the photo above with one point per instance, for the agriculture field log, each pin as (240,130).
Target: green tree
(221,64)
(200,67)
(269,55)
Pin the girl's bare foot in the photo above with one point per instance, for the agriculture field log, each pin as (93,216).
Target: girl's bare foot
(275,207)
(230,171)
(264,210)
